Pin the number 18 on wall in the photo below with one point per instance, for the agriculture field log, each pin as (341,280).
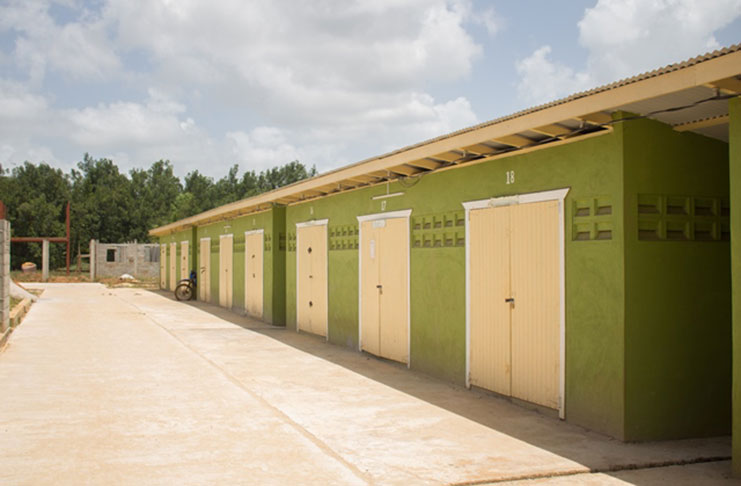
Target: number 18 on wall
(510,177)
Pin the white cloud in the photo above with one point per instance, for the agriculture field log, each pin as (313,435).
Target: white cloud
(627,37)
(490,19)
(77,49)
(541,79)
(296,62)
(325,82)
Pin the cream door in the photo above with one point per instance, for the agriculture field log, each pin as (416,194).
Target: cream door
(253,273)
(536,310)
(311,279)
(163,266)
(370,300)
(490,284)
(184,270)
(226,279)
(385,288)
(204,270)
(173,265)
(515,303)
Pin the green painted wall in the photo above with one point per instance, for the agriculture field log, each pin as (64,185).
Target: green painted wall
(677,297)
(272,223)
(177,237)
(594,269)
(735,189)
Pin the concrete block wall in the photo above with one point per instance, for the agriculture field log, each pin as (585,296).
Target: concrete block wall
(138,259)
(4,275)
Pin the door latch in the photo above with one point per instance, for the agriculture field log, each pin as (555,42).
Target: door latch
(510,300)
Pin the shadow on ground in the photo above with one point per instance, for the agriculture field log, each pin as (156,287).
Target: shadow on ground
(539,428)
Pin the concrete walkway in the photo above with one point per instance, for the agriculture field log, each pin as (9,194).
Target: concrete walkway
(126,386)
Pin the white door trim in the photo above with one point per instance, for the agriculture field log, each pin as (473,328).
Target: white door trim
(314,222)
(404,213)
(308,224)
(252,232)
(553,195)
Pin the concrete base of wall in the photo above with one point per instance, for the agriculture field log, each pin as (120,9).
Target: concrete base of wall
(16,317)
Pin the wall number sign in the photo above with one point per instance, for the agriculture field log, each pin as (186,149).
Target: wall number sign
(510,177)
(383,205)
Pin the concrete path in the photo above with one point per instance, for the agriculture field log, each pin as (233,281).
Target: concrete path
(126,386)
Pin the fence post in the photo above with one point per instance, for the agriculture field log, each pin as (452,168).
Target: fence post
(4,275)
(45,260)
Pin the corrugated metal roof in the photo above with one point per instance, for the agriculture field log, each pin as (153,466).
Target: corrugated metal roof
(690,94)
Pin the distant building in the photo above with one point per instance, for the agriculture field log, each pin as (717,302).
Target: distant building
(114,259)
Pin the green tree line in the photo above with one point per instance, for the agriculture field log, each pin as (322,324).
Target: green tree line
(112,206)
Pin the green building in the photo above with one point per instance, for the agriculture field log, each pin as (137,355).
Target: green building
(578,256)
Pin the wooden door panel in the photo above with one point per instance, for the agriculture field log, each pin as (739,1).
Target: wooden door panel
(184,271)
(253,275)
(226,255)
(490,339)
(369,293)
(535,316)
(163,266)
(173,265)
(393,253)
(204,274)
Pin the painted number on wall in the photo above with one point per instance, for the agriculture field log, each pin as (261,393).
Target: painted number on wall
(383,205)
(510,177)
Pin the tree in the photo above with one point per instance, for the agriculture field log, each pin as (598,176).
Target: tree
(110,206)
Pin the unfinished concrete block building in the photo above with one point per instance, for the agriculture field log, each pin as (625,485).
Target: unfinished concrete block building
(140,260)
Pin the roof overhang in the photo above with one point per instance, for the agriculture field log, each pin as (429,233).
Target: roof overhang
(690,96)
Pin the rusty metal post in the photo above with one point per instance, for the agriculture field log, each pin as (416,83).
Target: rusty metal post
(68,242)
(2,210)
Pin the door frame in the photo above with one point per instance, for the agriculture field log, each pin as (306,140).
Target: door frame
(262,248)
(307,224)
(405,214)
(493,202)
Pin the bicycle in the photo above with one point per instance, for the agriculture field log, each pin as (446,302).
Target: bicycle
(186,288)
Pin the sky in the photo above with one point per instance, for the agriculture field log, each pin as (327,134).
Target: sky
(260,83)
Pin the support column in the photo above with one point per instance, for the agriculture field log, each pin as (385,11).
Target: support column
(93,254)
(45,260)
(734,146)
(4,276)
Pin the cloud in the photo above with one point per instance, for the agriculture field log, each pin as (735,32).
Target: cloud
(542,79)
(624,38)
(490,19)
(326,82)
(78,49)
(300,62)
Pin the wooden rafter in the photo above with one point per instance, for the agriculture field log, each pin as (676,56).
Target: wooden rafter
(553,130)
(596,118)
(426,164)
(513,140)
(480,149)
(729,85)
(404,170)
(448,156)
